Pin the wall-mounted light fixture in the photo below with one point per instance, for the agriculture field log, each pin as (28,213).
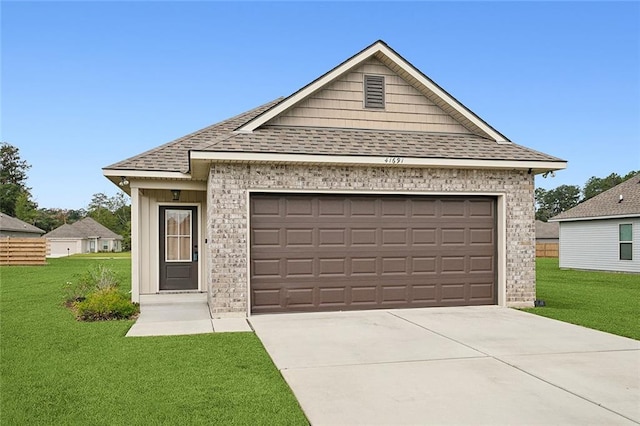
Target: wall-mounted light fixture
(175,194)
(123,181)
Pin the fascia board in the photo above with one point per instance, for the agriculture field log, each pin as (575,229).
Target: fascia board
(537,166)
(583,219)
(149,174)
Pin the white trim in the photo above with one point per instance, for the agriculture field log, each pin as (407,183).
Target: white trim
(248,230)
(190,185)
(145,174)
(537,166)
(578,219)
(166,236)
(135,245)
(376,48)
(501,227)
(201,262)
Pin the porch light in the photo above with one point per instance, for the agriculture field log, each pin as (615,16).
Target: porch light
(123,181)
(175,193)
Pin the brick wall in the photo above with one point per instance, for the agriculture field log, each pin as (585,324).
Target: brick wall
(227,216)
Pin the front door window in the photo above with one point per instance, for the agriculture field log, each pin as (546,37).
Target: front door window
(178,235)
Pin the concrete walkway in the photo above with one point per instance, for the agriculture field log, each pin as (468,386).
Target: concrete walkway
(472,365)
(180,313)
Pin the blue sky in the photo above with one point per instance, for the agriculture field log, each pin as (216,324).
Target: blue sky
(86,84)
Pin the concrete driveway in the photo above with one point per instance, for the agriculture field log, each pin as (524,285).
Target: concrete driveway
(472,365)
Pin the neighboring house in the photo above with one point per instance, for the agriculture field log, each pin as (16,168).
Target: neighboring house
(83,236)
(371,187)
(603,233)
(547,237)
(15,228)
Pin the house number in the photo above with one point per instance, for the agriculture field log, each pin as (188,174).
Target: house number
(394,160)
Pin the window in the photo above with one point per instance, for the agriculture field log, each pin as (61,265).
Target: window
(374,91)
(178,235)
(626,241)
(105,246)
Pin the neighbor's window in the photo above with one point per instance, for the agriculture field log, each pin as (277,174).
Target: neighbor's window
(626,241)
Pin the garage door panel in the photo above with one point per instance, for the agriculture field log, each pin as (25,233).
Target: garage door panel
(396,208)
(269,237)
(299,206)
(332,237)
(314,252)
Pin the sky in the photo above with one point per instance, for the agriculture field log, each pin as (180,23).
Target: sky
(87,84)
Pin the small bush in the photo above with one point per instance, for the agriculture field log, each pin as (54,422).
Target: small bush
(105,304)
(75,292)
(100,277)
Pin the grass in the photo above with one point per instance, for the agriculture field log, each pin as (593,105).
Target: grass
(604,301)
(56,370)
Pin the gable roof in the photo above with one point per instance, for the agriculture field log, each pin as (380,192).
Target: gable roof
(547,230)
(9,223)
(385,54)
(82,229)
(250,137)
(608,204)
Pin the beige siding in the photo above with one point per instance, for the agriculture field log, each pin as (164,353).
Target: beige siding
(341,104)
(149,203)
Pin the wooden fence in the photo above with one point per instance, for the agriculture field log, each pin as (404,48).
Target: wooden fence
(23,251)
(546,249)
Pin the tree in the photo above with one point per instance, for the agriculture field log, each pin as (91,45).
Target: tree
(13,177)
(25,208)
(114,213)
(554,201)
(596,185)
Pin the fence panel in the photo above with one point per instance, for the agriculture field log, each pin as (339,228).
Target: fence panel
(23,251)
(546,249)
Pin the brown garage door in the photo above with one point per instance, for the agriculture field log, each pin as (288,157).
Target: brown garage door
(326,252)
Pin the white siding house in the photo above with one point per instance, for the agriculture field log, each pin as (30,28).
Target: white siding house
(594,244)
(84,236)
(603,233)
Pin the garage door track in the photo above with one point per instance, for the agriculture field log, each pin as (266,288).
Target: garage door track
(471,365)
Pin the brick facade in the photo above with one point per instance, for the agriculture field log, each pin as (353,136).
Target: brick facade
(227,216)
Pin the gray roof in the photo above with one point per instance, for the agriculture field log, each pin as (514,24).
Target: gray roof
(353,142)
(8,223)
(85,228)
(608,203)
(547,230)
(174,156)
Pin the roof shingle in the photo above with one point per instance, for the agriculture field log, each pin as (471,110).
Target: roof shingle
(333,141)
(608,203)
(9,223)
(174,156)
(85,228)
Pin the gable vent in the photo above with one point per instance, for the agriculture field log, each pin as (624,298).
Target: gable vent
(374,91)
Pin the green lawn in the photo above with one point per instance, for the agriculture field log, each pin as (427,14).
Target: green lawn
(602,300)
(55,370)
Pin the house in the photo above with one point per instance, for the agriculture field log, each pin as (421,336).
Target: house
(370,187)
(12,227)
(547,237)
(603,233)
(83,236)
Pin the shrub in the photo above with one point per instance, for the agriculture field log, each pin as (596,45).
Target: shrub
(75,292)
(105,304)
(100,277)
